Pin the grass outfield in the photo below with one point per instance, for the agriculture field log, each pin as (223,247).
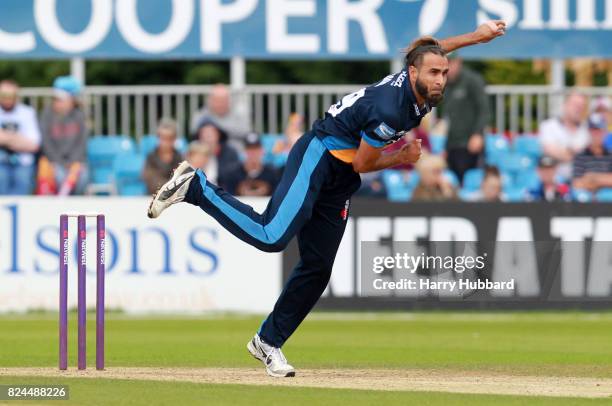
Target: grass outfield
(543,344)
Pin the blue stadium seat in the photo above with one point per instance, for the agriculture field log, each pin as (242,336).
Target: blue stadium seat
(514,194)
(527,179)
(472,179)
(451,177)
(398,189)
(528,145)
(438,144)
(267,142)
(149,142)
(101,154)
(127,169)
(581,195)
(496,146)
(515,163)
(604,195)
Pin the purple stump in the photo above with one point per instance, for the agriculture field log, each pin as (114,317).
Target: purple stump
(101,240)
(63,293)
(82,304)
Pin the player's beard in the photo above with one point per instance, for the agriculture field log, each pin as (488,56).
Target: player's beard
(432,100)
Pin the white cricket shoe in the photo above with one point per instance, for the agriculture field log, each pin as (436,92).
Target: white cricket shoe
(272,357)
(173,191)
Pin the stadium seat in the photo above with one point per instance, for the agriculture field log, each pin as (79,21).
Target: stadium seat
(472,179)
(527,179)
(495,147)
(604,195)
(528,145)
(438,144)
(515,163)
(101,154)
(451,177)
(581,195)
(127,169)
(149,142)
(514,194)
(267,142)
(399,189)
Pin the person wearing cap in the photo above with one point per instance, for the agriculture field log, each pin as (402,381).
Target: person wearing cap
(466,112)
(64,137)
(19,142)
(549,189)
(593,167)
(252,177)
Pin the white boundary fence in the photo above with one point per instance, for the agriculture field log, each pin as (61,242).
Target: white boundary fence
(135,110)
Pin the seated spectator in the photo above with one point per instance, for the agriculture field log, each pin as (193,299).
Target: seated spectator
(593,167)
(252,177)
(491,186)
(293,132)
(223,155)
(220,112)
(19,142)
(198,156)
(433,185)
(64,140)
(418,133)
(550,188)
(564,137)
(162,160)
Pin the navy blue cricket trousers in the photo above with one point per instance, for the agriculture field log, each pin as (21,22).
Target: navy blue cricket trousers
(311,201)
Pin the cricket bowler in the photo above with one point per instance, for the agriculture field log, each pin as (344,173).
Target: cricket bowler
(322,172)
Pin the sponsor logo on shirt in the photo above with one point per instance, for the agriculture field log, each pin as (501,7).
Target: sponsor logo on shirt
(400,79)
(385,132)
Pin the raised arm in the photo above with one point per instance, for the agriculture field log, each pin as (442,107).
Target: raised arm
(484,33)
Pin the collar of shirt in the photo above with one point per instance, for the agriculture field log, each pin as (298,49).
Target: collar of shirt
(416,112)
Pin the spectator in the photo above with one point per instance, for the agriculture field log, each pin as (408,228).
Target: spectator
(19,142)
(564,137)
(224,156)
(593,167)
(602,105)
(64,138)
(433,185)
(466,111)
(162,160)
(220,112)
(252,177)
(293,132)
(550,189)
(491,186)
(198,155)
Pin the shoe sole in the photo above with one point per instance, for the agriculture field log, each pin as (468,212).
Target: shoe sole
(255,355)
(156,194)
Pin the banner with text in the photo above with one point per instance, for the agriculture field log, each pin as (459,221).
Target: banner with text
(183,262)
(471,256)
(276,29)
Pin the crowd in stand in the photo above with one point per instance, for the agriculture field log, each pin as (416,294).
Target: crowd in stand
(569,159)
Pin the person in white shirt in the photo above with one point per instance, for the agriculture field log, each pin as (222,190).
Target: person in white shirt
(565,136)
(19,141)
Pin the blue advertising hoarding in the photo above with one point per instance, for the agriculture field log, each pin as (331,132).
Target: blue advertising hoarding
(301,29)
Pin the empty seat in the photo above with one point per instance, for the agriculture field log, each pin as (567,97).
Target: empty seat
(127,169)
